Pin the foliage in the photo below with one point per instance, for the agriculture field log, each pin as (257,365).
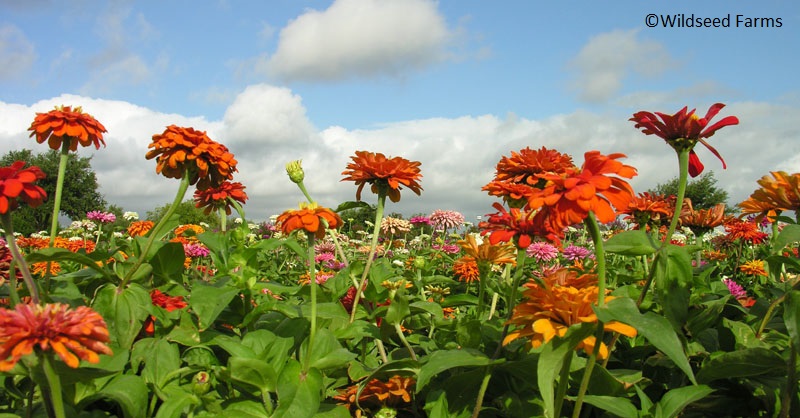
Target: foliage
(80,193)
(187,213)
(703,191)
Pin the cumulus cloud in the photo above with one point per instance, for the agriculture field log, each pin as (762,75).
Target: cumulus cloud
(360,38)
(607,59)
(17,52)
(267,126)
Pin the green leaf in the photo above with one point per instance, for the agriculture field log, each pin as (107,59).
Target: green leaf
(630,243)
(791,316)
(127,391)
(168,261)
(176,403)
(788,235)
(551,360)
(299,392)
(351,205)
(208,300)
(123,310)
(673,274)
(742,363)
(673,402)
(253,372)
(442,360)
(160,358)
(654,327)
(327,353)
(65,255)
(243,408)
(398,309)
(620,407)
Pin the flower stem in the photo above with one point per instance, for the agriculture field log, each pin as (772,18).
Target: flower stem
(223,219)
(11,242)
(683,177)
(54,386)
(587,372)
(600,256)
(373,247)
(312,275)
(487,375)
(402,337)
(62,169)
(156,231)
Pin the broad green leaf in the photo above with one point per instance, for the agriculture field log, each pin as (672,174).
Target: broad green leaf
(442,360)
(431,308)
(299,392)
(168,261)
(253,372)
(160,358)
(673,402)
(706,316)
(742,363)
(791,316)
(673,275)
(621,407)
(327,353)
(124,311)
(351,205)
(176,404)
(243,408)
(398,309)
(551,360)
(357,331)
(788,235)
(209,300)
(630,243)
(233,346)
(127,391)
(332,411)
(654,327)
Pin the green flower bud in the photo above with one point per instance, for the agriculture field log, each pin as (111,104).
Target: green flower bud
(419,262)
(201,383)
(295,171)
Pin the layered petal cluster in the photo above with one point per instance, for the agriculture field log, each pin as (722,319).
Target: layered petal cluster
(446,219)
(684,129)
(396,392)
(701,221)
(17,183)
(309,218)
(220,197)
(747,231)
(753,268)
(486,252)
(72,334)
(562,299)
(518,175)
(391,225)
(777,194)
(465,269)
(646,209)
(65,124)
(140,228)
(518,225)
(185,150)
(169,303)
(385,175)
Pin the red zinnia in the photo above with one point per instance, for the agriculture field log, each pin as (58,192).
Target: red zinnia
(683,130)
(215,198)
(386,175)
(65,124)
(16,182)
(169,303)
(505,225)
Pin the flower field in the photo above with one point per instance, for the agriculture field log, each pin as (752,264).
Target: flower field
(574,296)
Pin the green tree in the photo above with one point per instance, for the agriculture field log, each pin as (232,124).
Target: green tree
(187,214)
(80,193)
(703,191)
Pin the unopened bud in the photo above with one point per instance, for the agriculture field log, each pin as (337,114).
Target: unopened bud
(295,171)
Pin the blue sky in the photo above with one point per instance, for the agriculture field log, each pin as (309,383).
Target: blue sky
(454,84)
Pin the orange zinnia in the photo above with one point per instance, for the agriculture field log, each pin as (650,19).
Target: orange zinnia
(684,130)
(777,194)
(65,124)
(180,150)
(516,224)
(503,253)
(140,228)
(647,209)
(745,230)
(215,198)
(753,268)
(466,269)
(386,175)
(309,218)
(16,183)
(395,392)
(701,221)
(169,303)
(516,176)
(572,195)
(563,299)
(73,334)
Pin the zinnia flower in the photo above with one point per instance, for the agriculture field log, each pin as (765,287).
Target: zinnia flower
(563,299)
(222,196)
(169,303)
(542,251)
(701,221)
(486,252)
(65,124)
(683,130)
(386,175)
(466,269)
(140,228)
(737,291)
(446,219)
(181,150)
(420,220)
(514,224)
(390,225)
(647,209)
(309,218)
(395,392)
(753,268)
(73,334)
(102,217)
(777,194)
(576,253)
(16,183)
(516,176)
(745,230)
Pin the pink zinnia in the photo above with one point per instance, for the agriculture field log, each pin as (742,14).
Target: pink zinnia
(420,220)
(102,217)
(736,289)
(573,252)
(195,250)
(446,219)
(542,251)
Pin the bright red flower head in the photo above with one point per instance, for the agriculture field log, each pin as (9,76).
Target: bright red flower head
(73,334)
(214,198)
(16,183)
(386,175)
(518,225)
(65,124)
(309,218)
(177,150)
(684,129)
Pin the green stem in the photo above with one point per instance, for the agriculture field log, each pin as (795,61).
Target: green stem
(223,219)
(563,384)
(600,256)
(373,247)
(312,275)
(402,337)
(587,372)
(11,242)
(156,231)
(482,391)
(62,169)
(791,383)
(305,192)
(54,385)
(683,177)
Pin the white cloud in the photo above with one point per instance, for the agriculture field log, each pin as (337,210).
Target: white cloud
(17,52)
(267,126)
(360,38)
(607,59)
